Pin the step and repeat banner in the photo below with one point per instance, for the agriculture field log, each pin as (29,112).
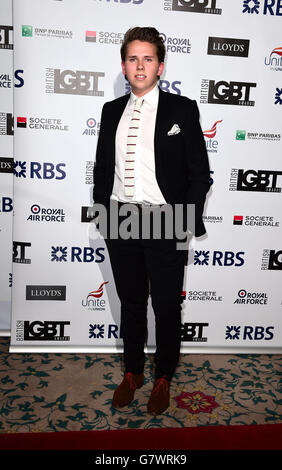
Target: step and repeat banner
(227,56)
(6,164)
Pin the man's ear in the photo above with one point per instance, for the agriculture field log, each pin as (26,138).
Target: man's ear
(123,70)
(161,69)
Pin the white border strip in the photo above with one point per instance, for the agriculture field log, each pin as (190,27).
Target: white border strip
(149,350)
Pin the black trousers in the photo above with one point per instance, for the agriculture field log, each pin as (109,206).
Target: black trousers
(143,267)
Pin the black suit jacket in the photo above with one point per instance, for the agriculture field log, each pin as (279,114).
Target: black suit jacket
(181,162)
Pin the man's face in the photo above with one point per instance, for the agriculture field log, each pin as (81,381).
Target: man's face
(142,66)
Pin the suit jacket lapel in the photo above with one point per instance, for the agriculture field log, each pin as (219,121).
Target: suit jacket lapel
(116,114)
(118,110)
(160,117)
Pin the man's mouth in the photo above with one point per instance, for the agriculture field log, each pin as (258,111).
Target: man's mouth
(140,77)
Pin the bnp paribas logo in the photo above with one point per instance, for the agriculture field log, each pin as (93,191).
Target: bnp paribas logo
(240,135)
(26,31)
(255,135)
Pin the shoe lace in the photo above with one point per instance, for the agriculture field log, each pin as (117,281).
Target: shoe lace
(130,378)
(163,382)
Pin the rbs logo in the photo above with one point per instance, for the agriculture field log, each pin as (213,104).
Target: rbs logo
(270,7)
(86,254)
(219,258)
(20,81)
(165,85)
(249,333)
(170,87)
(6,204)
(39,170)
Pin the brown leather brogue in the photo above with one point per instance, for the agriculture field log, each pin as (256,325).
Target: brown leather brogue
(159,399)
(124,394)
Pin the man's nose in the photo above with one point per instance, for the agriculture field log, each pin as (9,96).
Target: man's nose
(140,65)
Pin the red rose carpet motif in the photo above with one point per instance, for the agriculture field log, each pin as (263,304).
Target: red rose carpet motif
(196,402)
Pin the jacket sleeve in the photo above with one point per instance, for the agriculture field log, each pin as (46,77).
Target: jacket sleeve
(100,165)
(198,169)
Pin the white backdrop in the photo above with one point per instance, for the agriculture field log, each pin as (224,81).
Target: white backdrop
(6,164)
(227,56)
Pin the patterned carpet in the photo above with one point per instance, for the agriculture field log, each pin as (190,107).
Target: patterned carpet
(73,392)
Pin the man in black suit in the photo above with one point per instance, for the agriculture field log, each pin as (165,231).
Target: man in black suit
(169,166)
